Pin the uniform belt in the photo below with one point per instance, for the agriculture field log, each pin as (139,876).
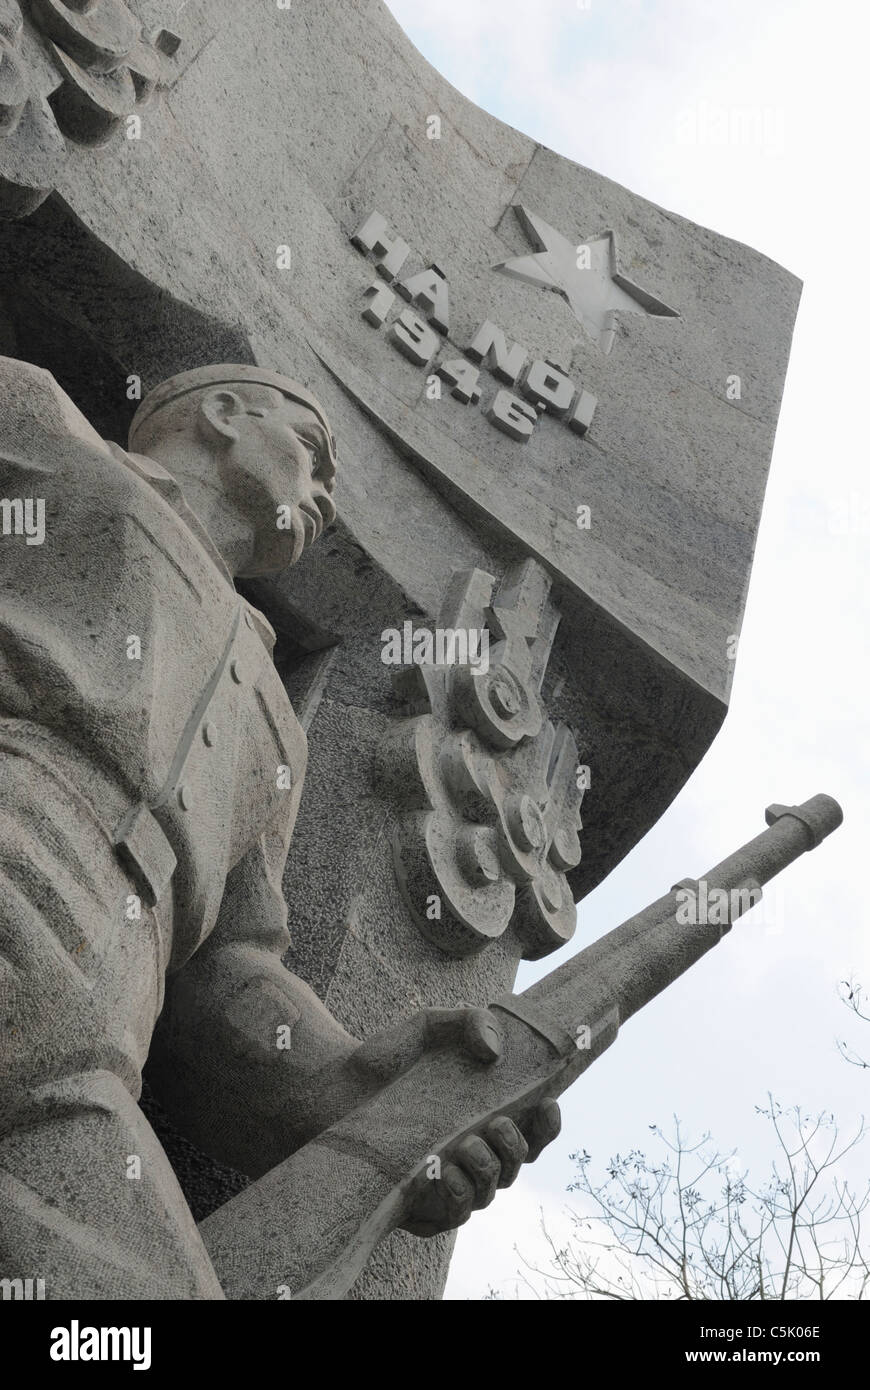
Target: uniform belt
(131,828)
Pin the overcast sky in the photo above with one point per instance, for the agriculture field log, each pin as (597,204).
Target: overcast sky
(609,85)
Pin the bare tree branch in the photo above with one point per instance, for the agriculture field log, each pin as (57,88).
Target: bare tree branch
(686,1226)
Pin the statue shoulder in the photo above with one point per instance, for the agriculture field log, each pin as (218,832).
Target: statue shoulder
(38,420)
(46,440)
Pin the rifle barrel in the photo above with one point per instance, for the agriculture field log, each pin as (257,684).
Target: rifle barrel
(632,964)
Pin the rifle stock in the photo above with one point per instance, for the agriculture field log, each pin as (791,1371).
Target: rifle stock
(311,1223)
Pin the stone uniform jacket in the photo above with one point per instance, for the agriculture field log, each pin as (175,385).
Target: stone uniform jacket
(131,667)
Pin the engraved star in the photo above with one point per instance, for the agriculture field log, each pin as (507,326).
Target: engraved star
(596,291)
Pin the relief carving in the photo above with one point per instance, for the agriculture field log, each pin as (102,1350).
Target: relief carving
(75,71)
(489,784)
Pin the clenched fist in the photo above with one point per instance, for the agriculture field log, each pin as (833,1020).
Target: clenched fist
(483,1162)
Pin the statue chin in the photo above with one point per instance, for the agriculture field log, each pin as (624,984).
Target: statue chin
(281,551)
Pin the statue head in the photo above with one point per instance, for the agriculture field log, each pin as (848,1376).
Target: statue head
(255,457)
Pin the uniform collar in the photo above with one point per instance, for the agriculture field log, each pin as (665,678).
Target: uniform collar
(169,489)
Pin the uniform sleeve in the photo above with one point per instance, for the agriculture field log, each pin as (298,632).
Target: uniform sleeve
(242,1044)
(254,911)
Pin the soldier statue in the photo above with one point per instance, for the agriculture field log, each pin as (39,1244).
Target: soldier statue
(151,769)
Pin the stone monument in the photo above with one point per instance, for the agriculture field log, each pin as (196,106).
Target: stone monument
(554,405)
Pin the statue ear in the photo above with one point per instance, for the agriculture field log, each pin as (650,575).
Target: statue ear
(216,412)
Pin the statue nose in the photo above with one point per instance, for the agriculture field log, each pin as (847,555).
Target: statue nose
(325,468)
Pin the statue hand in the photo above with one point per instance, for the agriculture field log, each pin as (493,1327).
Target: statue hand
(484,1161)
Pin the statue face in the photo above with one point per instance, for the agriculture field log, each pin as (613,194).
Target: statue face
(279,474)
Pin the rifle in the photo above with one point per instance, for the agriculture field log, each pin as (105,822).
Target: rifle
(310,1224)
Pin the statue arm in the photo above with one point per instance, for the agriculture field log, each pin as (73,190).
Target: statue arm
(250,1065)
(245,1057)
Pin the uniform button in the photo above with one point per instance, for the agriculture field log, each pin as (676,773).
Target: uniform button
(185,797)
(237,671)
(209,734)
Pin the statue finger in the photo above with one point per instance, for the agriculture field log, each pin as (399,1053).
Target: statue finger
(481,1166)
(456,1193)
(544,1127)
(510,1147)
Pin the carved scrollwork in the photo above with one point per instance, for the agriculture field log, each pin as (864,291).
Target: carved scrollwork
(102,69)
(99,34)
(32,150)
(488,783)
